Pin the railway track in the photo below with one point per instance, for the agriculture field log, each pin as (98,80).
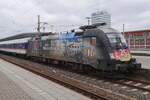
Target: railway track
(56,75)
(137,84)
(100,89)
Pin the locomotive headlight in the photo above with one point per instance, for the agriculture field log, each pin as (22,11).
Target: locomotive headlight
(111,56)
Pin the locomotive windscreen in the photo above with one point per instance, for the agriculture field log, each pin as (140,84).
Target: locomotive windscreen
(117,40)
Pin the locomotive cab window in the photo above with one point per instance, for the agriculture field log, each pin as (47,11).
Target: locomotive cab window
(117,41)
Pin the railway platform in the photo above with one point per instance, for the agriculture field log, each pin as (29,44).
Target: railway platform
(19,84)
(141,52)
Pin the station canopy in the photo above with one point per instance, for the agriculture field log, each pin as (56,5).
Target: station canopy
(25,35)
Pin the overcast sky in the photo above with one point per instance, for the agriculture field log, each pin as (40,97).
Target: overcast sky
(17,16)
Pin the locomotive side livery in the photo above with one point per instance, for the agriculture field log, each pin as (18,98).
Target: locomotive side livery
(101,48)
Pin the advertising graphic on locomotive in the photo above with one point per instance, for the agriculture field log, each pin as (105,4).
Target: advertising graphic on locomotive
(101,48)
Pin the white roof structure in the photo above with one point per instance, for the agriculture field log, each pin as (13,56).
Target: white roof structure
(23,40)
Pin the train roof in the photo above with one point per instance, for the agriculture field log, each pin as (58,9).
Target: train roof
(25,35)
(107,30)
(100,27)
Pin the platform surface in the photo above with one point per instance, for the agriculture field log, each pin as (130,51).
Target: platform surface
(144,60)
(141,51)
(19,84)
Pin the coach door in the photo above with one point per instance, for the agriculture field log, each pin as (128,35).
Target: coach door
(89,50)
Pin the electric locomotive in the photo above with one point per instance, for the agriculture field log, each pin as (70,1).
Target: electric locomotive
(102,48)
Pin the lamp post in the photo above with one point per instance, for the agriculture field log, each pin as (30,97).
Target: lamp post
(38,28)
(88,19)
(123,29)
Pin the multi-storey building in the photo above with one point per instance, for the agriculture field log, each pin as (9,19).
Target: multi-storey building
(101,17)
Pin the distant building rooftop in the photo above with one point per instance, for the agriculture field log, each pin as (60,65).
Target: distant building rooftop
(146,30)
